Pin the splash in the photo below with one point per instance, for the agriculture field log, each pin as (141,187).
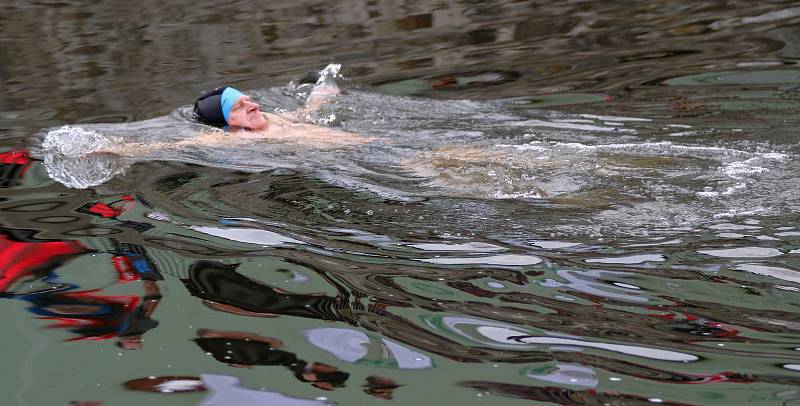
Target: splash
(72,141)
(71,157)
(328,75)
(621,170)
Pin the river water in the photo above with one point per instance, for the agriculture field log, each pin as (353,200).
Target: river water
(583,203)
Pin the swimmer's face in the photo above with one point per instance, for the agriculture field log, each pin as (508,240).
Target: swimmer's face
(245,113)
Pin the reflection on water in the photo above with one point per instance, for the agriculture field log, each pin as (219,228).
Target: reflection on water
(578,204)
(571,314)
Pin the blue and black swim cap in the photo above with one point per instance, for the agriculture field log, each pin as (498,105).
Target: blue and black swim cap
(215,106)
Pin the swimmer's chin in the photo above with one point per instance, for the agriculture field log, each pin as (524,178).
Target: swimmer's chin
(259,124)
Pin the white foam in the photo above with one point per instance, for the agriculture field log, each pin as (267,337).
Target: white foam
(665,147)
(81,172)
(76,141)
(734,213)
(739,170)
(519,195)
(707,194)
(532,146)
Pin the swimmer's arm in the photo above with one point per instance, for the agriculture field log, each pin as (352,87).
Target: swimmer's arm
(139,149)
(129,150)
(320,96)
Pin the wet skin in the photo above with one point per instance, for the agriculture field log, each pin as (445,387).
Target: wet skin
(247,122)
(246,114)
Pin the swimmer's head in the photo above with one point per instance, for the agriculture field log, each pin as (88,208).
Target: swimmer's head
(228,106)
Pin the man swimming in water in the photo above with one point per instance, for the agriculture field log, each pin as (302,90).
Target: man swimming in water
(237,114)
(229,108)
(239,118)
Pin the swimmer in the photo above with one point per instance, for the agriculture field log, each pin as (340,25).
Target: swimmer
(239,119)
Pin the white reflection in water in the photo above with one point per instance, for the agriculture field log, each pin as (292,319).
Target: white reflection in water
(554,244)
(352,346)
(729,226)
(508,259)
(773,271)
(510,336)
(731,235)
(470,247)
(345,344)
(226,391)
(587,282)
(653,244)
(568,374)
(247,235)
(743,252)
(630,259)
(766,238)
(179,385)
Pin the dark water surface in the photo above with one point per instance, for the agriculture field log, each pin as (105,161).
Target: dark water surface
(583,203)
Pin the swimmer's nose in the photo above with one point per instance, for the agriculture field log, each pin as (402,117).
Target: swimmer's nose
(252,106)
